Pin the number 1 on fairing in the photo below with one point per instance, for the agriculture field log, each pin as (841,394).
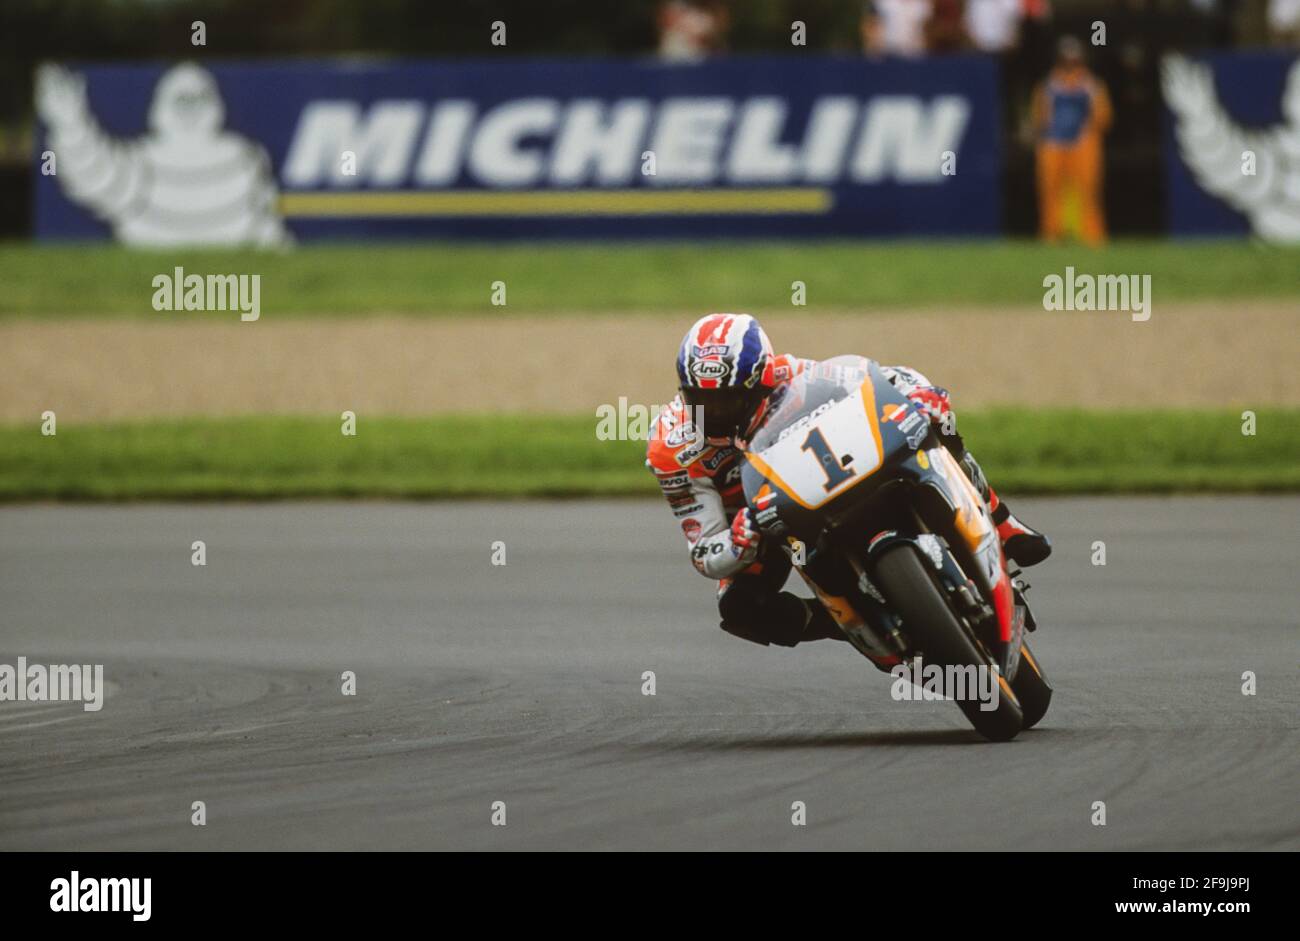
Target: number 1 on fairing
(835,475)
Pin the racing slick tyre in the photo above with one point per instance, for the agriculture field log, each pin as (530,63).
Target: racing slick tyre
(939,638)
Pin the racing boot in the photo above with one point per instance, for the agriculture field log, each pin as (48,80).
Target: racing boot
(752,609)
(819,625)
(1023,545)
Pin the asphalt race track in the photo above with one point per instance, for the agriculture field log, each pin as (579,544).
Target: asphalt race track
(522,683)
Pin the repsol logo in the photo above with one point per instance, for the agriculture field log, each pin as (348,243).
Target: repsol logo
(695,141)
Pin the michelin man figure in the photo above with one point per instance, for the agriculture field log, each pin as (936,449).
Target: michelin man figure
(184,182)
(1219,151)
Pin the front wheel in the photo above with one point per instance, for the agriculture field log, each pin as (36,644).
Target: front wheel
(938,636)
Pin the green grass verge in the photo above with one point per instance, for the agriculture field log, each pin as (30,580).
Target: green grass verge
(443,458)
(430,279)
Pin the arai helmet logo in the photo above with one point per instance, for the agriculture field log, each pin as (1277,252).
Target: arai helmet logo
(709,369)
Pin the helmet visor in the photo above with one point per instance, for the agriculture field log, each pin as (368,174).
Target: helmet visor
(725,412)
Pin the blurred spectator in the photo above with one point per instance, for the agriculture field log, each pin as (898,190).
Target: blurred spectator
(895,27)
(1035,34)
(1212,22)
(994,25)
(691,30)
(1071,113)
(1284,22)
(946,31)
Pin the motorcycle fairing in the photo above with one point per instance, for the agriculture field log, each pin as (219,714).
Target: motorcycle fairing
(800,501)
(795,495)
(859,452)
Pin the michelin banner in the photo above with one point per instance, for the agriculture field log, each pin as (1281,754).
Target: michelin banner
(267,154)
(1232,145)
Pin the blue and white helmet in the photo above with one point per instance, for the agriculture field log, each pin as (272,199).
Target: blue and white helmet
(726,371)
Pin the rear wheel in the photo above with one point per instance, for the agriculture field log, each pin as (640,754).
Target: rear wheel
(939,637)
(1031,687)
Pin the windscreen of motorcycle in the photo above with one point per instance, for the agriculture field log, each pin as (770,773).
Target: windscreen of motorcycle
(821,437)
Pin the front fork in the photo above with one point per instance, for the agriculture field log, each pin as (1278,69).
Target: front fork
(860,610)
(856,605)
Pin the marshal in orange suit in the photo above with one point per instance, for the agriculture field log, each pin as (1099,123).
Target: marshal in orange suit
(1071,113)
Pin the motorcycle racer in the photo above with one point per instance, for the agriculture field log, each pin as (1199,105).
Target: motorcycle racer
(728,379)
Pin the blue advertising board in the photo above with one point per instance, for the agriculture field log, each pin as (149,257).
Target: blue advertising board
(1232,145)
(266,153)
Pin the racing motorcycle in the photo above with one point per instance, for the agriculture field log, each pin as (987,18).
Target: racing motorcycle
(893,538)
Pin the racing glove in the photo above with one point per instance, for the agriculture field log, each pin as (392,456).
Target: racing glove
(934,402)
(744,537)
